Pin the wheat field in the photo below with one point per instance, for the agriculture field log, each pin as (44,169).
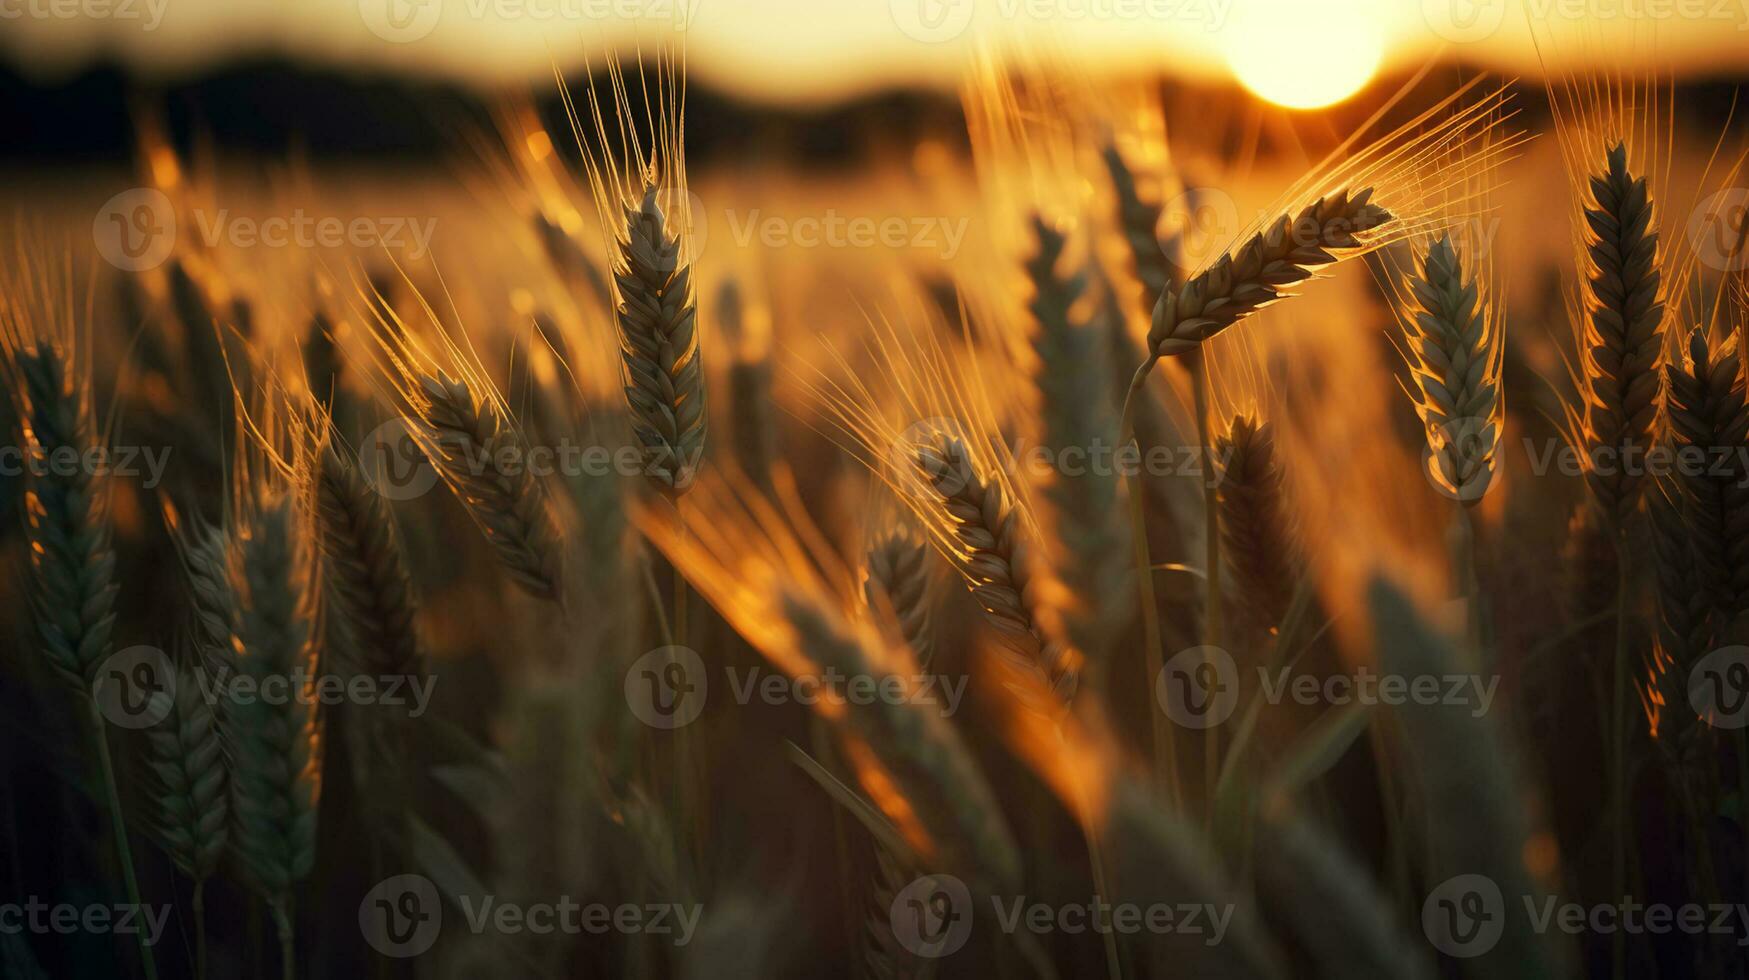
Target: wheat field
(1101,540)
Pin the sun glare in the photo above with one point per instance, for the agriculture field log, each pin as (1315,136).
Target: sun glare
(1304,55)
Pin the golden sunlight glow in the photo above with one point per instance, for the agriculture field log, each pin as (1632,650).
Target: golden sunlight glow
(1304,55)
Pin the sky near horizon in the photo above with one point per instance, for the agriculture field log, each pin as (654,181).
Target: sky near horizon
(804,51)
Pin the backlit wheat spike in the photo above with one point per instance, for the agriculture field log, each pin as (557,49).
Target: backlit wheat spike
(1687,629)
(1623,334)
(1256,527)
(1455,357)
(748,558)
(1261,271)
(277,747)
(188,787)
(364,569)
(466,436)
(1082,509)
(995,559)
(899,573)
(658,329)
(72,582)
(1710,421)
(1139,220)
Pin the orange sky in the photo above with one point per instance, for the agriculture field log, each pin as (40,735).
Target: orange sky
(811,50)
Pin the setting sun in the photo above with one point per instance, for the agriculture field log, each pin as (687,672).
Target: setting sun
(1305,56)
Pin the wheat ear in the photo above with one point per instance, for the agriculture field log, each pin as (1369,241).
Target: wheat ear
(277,779)
(995,559)
(365,571)
(1256,529)
(899,575)
(1261,271)
(1709,417)
(658,330)
(72,583)
(919,749)
(752,419)
(1138,218)
(1072,379)
(1623,335)
(187,779)
(465,436)
(1455,359)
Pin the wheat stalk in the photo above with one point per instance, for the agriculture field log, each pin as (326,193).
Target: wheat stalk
(1623,333)
(1256,526)
(464,437)
(658,329)
(752,419)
